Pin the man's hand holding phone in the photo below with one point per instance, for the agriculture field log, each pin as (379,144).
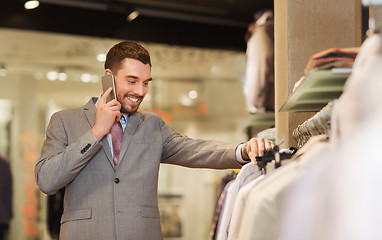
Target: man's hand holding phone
(108,81)
(107,113)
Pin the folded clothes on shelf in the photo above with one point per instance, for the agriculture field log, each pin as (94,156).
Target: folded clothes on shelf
(332,58)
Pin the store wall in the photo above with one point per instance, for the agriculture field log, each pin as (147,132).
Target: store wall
(303,28)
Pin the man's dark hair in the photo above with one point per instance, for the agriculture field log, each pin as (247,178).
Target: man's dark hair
(126,49)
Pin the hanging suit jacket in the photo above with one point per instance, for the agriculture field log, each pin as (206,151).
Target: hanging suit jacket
(260,66)
(106,202)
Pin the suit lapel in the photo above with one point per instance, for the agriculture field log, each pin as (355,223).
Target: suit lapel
(90,112)
(107,150)
(132,124)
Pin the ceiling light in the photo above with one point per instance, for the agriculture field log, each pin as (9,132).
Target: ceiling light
(193,94)
(101,57)
(52,75)
(31,4)
(89,78)
(132,16)
(62,76)
(186,101)
(86,77)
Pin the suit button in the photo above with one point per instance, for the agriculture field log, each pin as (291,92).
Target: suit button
(116,180)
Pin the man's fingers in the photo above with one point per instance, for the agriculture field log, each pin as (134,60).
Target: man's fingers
(118,116)
(258,145)
(105,95)
(113,103)
(252,149)
(268,144)
(115,108)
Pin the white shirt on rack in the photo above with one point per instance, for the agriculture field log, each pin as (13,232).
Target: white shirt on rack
(238,209)
(247,173)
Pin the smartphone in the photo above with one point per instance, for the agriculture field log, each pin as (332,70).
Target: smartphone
(107,82)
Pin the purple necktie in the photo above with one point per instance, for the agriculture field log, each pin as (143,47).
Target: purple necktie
(116,139)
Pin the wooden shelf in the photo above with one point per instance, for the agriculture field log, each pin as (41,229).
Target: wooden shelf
(318,88)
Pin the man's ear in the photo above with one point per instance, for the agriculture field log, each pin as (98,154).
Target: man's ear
(108,71)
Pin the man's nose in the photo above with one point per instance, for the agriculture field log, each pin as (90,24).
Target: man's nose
(139,90)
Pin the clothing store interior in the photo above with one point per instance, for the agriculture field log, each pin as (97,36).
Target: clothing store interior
(291,71)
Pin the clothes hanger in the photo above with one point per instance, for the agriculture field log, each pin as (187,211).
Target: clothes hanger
(273,154)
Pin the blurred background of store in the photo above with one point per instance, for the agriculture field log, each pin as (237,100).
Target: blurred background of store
(51,58)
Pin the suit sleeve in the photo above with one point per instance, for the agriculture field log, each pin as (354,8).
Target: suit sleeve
(196,153)
(60,163)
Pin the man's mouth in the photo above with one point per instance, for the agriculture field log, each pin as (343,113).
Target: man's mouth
(133,99)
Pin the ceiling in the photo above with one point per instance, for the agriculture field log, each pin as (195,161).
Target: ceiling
(217,24)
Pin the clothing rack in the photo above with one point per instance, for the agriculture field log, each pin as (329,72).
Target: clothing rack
(316,125)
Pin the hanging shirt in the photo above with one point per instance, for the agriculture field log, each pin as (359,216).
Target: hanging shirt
(238,209)
(248,173)
(260,219)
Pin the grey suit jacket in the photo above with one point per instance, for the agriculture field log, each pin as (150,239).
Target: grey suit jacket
(104,202)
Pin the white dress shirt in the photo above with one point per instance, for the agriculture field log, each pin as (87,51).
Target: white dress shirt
(247,173)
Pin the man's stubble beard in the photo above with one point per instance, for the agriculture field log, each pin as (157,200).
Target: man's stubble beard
(124,110)
(127,112)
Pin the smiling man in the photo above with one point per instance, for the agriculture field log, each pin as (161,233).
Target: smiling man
(107,156)
(133,84)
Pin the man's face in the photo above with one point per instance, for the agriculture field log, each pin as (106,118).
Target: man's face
(132,84)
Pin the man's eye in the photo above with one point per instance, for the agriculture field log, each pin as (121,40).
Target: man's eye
(132,82)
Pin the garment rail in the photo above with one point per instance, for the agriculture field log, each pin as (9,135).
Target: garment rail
(316,125)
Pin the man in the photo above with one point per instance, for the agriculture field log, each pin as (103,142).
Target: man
(112,194)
